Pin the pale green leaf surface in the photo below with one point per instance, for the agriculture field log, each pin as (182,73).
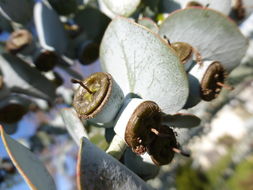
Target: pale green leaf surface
(223,6)
(149,23)
(214,35)
(142,63)
(122,7)
(73,124)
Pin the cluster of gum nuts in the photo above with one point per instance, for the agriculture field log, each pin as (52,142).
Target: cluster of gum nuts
(140,124)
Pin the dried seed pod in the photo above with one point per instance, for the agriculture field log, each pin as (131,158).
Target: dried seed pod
(18,40)
(135,123)
(98,99)
(142,126)
(206,81)
(161,149)
(185,52)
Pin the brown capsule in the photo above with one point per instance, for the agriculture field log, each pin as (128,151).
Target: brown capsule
(214,75)
(18,40)
(161,149)
(184,50)
(138,134)
(87,104)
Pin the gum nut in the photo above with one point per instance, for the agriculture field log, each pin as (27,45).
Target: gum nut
(209,84)
(87,104)
(138,133)
(184,50)
(161,148)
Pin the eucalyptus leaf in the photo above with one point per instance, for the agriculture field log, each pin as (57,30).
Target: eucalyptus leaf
(98,170)
(214,35)
(142,63)
(20,11)
(149,23)
(104,9)
(32,170)
(181,120)
(140,166)
(123,7)
(223,6)
(51,33)
(21,78)
(73,124)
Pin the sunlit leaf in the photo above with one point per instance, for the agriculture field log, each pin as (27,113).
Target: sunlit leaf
(73,124)
(32,170)
(223,6)
(123,7)
(214,35)
(142,63)
(149,23)
(98,170)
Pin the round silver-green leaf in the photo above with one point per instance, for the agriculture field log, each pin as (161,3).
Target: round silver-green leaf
(142,63)
(213,34)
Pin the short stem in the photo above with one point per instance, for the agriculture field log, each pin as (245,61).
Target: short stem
(155,131)
(81,84)
(165,37)
(117,147)
(225,86)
